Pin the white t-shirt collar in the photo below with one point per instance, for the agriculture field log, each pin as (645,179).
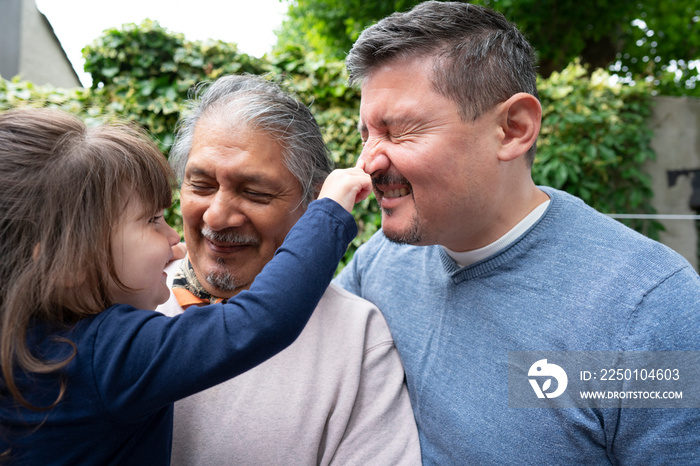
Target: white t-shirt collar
(466,258)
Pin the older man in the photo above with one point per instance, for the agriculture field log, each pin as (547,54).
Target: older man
(251,158)
(496,266)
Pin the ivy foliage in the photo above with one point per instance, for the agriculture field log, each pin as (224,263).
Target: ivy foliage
(78,101)
(145,72)
(593,142)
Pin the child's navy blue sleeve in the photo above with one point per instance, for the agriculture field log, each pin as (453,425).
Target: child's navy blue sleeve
(143,360)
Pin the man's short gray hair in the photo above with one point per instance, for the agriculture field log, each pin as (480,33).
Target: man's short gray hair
(263,106)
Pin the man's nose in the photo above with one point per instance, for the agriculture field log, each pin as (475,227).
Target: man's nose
(374,158)
(224,212)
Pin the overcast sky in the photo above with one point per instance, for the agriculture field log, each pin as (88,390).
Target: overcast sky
(248,23)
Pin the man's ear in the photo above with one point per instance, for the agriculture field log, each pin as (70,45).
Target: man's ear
(520,120)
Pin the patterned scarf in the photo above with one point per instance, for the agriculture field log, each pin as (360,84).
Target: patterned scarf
(187,289)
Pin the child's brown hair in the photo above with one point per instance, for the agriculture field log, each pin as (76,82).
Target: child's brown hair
(63,188)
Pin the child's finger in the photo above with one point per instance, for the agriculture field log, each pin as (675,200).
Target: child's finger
(346,187)
(364,192)
(179,251)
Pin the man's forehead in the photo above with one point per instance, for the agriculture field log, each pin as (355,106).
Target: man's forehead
(222,143)
(250,172)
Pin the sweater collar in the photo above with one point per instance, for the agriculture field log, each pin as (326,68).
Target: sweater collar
(464,259)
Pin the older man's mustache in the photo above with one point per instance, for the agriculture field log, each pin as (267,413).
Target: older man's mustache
(229,236)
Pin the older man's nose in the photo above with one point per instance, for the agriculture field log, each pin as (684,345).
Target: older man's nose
(223,212)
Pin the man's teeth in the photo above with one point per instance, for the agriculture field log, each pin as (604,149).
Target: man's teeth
(396,193)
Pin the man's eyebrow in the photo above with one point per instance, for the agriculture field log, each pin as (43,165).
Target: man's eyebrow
(196,171)
(243,175)
(387,122)
(257,178)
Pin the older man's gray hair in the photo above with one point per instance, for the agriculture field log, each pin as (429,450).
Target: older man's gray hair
(263,106)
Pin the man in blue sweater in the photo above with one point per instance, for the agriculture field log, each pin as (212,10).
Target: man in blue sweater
(474,262)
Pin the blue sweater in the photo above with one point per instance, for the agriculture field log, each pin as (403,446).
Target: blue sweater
(575,281)
(132,365)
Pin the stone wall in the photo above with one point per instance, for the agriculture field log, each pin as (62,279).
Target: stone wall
(676,125)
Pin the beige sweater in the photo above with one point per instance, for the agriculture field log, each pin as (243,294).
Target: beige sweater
(335,396)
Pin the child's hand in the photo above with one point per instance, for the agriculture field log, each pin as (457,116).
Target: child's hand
(347,187)
(179,251)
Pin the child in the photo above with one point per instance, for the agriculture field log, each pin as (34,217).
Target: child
(89,371)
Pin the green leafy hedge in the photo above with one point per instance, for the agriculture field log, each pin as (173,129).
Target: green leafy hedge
(593,143)
(145,73)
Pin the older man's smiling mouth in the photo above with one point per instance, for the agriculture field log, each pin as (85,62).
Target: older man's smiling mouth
(225,247)
(227,241)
